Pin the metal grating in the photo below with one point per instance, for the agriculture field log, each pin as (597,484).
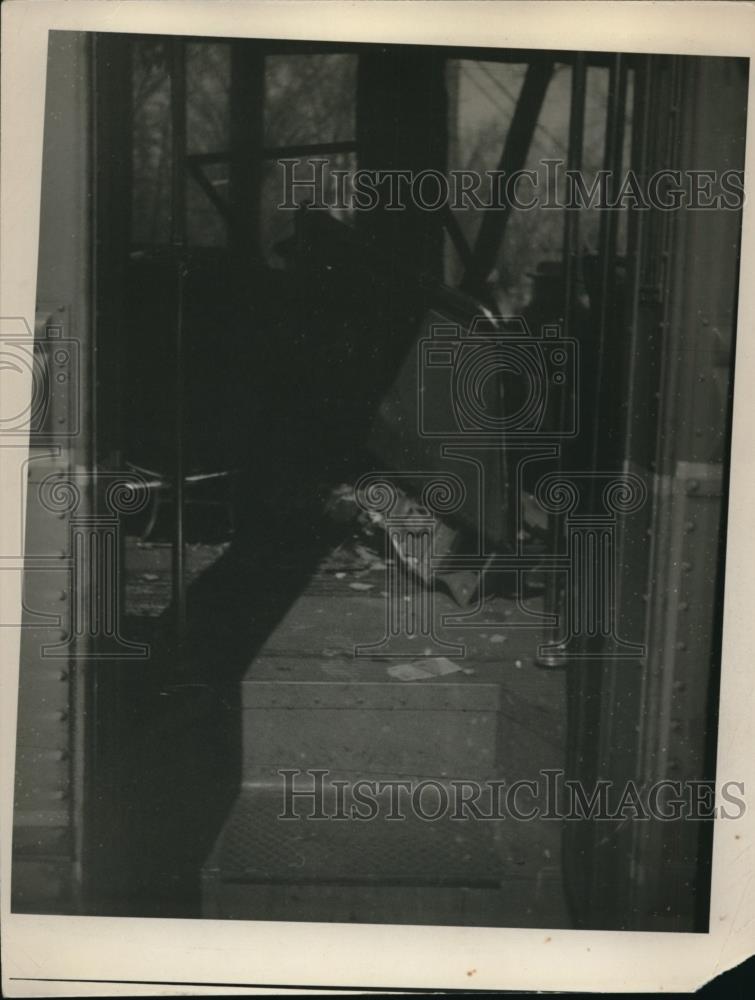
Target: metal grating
(258,846)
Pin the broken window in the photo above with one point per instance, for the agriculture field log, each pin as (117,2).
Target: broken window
(208,80)
(310,114)
(207,134)
(151,166)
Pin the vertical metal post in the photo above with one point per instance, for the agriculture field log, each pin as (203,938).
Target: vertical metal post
(178,240)
(589,685)
(179,542)
(608,227)
(574,158)
(247,126)
(178,143)
(637,229)
(571,261)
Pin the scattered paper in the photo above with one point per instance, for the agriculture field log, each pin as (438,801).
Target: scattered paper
(408,672)
(421,670)
(361,586)
(439,665)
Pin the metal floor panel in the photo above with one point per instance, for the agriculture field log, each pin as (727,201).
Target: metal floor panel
(256,846)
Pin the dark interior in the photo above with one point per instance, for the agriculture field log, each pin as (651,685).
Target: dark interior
(258,352)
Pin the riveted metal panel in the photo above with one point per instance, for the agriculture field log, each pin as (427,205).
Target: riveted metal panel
(654,719)
(49,762)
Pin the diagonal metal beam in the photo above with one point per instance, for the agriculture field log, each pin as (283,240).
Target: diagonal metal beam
(513,157)
(195,170)
(457,237)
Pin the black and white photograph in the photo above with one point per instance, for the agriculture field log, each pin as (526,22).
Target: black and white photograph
(372,481)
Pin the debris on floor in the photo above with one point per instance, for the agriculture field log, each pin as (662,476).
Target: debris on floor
(359,555)
(148,570)
(462,585)
(341,505)
(421,670)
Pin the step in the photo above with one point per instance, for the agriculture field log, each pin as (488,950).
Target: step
(309,701)
(372,723)
(449,870)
